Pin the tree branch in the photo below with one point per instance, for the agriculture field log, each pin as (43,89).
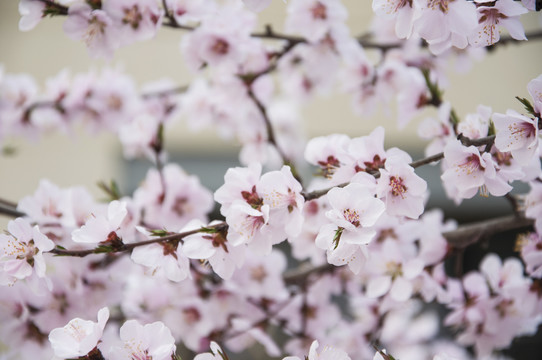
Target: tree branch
(488,140)
(127,247)
(9,211)
(58,9)
(459,238)
(471,233)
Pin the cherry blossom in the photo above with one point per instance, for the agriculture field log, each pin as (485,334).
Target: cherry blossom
(103,229)
(136,20)
(403,12)
(352,218)
(151,341)
(214,247)
(503,13)
(93,26)
(165,258)
(21,251)
(531,254)
(314,18)
(171,198)
(78,337)
(455,19)
(401,189)
(468,171)
(366,207)
(31,14)
(516,133)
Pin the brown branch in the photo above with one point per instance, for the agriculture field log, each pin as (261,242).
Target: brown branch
(459,239)
(8,203)
(53,8)
(471,233)
(160,93)
(9,211)
(268,126)
(488,140)
(127,247)
(299,275)
(261,322)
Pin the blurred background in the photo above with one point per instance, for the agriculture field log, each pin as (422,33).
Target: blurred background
(85,159)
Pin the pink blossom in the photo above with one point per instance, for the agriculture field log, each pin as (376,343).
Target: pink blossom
(21,251)
(171,198)
(140,136)
(328,152)
(214,247)
(403,12)
(93,26)
(313,19)
(136,20)
(401,189)
(503,13)
(518,134)
(531,253)
(152,341)
(468,171)
(476,126)
(164,258)
(392,272)
(103,228)
(79,336)
(17,92)
(354,210)
(282,192)
(446,23)
(31,14)
(221,41)
(439,131)
(187,11)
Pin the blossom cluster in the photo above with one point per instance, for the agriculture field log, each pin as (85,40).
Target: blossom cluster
(338,267)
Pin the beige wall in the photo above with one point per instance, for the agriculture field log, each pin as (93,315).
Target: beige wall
(85,160)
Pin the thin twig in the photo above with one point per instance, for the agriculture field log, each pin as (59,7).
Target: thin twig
(268,126)
(471,233)
(11,212)
(127,247)
(8,203)
(415,164)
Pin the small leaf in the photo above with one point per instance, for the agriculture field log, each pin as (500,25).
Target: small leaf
(112,190)
(528,106)
(159,232)
(337,237)
(209,230)
(103,249)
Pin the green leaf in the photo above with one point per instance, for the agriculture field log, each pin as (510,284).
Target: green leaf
(528,106)
(103,249)
(111,190)
(209,230)
(159,232)
(337,237)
